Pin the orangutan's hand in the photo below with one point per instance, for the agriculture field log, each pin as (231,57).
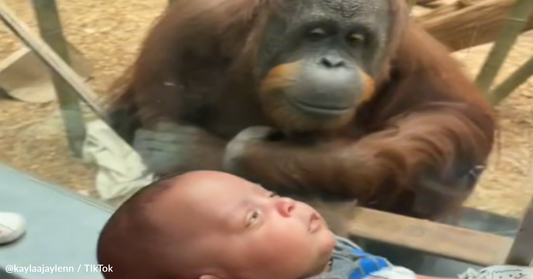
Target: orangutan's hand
(237,148)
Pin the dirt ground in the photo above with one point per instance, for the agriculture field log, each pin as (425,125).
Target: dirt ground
(108,34)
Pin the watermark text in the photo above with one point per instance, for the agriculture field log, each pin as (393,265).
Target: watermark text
(13,268)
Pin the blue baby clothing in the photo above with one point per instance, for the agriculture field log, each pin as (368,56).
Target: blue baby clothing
(349,261)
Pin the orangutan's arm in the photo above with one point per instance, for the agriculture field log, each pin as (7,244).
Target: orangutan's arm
(173,148)
(430,151)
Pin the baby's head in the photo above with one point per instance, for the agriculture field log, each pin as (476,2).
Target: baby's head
(213,225)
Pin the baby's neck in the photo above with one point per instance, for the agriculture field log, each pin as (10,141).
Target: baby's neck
(328,266)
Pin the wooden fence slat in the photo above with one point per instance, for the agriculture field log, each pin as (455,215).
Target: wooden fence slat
(52,33)
(516,21)
(522,249)
(434,238)
(51,59)
(516,79)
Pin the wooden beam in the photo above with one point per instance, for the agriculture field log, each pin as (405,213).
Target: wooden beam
(463,26)
(70,108)
(51,59)
(24,77)
(522,249)
(434,238)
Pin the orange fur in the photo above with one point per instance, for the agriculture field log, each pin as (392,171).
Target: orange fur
(281,76)
(370,88)
(422,119)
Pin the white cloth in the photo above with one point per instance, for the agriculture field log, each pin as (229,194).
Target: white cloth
(491,272)
(396,272)
(121,171)
(499,272)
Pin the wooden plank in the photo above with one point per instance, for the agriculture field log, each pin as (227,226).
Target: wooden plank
(52,33)
(460,27)
(434,238)
(24,77)
(51,59)
(522,249)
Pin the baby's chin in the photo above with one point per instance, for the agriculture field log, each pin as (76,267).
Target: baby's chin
(328,241)
(328,246)
(332,239)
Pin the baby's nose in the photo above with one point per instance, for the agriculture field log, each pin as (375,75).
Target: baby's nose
(285,206)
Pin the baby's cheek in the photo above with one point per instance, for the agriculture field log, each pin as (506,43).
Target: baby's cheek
(330,241)
(289,237)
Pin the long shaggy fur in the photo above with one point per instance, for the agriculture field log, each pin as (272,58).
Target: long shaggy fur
(409,149)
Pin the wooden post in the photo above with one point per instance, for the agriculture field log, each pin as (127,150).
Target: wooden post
(438,239)
(52,60)
(516,21)
(460,27)
(52,33)
(521,252)
(516,79)
(411,4)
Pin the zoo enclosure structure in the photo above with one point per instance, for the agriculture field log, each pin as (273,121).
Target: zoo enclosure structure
(434,238)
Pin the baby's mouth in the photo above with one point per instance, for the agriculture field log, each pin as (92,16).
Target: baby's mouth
(314,223)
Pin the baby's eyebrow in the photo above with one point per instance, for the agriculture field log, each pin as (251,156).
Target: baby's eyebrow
(259,189)
(235,215)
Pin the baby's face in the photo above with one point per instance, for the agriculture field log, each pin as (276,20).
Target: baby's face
(250,232)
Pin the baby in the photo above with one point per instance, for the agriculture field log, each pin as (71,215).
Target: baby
(213,225)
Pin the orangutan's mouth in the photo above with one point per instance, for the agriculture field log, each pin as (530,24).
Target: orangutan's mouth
(319,109)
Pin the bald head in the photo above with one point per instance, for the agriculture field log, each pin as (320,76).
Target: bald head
(194,186)
(135,240)
(194,196)
(215,224)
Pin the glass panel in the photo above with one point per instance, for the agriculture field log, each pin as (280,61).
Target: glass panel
(205,105)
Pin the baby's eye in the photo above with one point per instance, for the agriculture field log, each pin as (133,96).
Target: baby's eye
(273,195)
(254,217)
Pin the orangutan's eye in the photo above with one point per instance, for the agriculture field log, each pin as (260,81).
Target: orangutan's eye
(356,39)
(316,34)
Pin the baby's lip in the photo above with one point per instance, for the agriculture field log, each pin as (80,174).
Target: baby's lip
(314,223)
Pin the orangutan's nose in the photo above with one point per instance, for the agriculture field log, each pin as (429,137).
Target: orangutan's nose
(285,206)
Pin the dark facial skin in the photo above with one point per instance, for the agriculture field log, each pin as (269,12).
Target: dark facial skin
(333,49)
